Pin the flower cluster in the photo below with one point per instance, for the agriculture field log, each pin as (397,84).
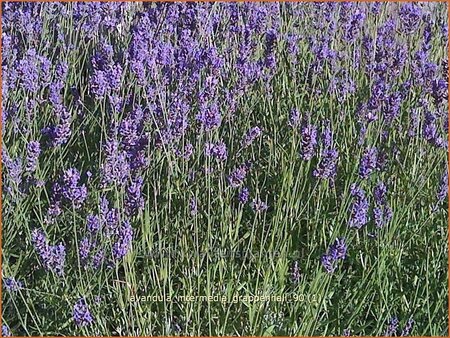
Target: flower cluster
(12,285)
(52,256)
(336,252)
(81,313)
(360,207)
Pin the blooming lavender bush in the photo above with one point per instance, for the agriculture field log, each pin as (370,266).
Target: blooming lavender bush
(157,154)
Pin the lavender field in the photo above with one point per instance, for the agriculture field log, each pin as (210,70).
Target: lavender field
(224,169)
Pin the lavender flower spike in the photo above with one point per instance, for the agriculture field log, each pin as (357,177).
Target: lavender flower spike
(52,257)
(327,166)
(33,152)
(243,195)
(250,136)
(81,313)
(237,177)
(408,327)
(392,328)
(12,285)
(258,205)
(337,251)
(368,162)
(359,208)
(308,142)
(6,332)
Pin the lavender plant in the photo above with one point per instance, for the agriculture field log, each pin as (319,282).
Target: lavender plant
(165,163)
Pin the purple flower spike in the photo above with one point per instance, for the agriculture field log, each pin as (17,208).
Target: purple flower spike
(368,162)
(250,136)
(359,208)
(116,167)
(217,150)
(410,16)
(6,332)
(209,116)
(67,189)
(134,201)
(408,328)
(258,205)
(328,263)
(308,142)
(294,119)
(392,328)
(97,259)
(12,285)
(93,223)
(124,239)
(327,135)
(237,177)
(243,195)
(327,166)
(337,251)
(81,313)
(33,152)
(185,152)
(60,133)
(52,257)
